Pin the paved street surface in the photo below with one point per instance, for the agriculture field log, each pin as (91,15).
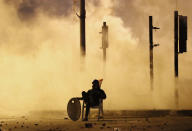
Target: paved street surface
(58,121)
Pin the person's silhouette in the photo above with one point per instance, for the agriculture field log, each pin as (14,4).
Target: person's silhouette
(93,97)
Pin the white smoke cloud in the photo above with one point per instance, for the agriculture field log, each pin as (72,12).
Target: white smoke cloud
(40,66)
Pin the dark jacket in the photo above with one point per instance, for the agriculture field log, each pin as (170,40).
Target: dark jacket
(95,95)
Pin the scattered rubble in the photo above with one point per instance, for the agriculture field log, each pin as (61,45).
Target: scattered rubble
(88,125)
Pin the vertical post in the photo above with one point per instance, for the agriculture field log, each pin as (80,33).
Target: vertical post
(104,40)
(82,28)
(176,44)
(151,49)
(176,23)
(104,54)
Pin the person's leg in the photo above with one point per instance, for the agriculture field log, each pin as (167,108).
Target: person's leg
(102,113)
(85,96)
(87,111)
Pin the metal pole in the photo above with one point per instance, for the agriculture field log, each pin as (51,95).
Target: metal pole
(151,49)
(176,57)
(176,44)
(82,28)
(104,40)
(104,54)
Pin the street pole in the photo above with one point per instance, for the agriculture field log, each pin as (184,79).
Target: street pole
(151,49)
(151,46)
(82,28)
(104,40)
(176,44)
(176,24)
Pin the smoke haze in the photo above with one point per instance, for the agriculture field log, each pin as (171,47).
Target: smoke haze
(40,63)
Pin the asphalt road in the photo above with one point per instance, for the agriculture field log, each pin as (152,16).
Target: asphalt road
(60,122)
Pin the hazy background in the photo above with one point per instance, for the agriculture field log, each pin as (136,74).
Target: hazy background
(39,54)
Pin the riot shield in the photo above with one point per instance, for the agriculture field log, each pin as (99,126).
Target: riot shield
(74,109)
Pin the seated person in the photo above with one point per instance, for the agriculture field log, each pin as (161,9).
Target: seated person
(93,97)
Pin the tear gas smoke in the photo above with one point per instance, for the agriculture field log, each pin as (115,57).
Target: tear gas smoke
(40,62)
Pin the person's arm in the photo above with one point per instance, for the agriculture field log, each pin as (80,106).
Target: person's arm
(103,95)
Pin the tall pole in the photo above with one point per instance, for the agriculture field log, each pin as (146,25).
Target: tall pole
(176,24)
(104,40)
(82,28)
(180,46)
(176,44)
(151,49)
(151,46)
(104,54)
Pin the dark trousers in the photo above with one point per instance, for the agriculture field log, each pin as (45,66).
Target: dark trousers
(87,110)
